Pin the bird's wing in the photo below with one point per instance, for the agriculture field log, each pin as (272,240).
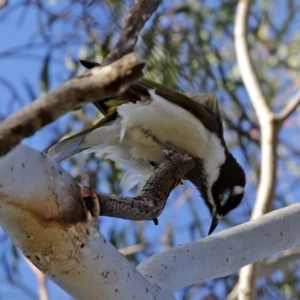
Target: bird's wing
(210,103)
(200,109)
(203,107)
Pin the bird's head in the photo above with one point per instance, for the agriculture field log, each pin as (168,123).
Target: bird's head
(226,191)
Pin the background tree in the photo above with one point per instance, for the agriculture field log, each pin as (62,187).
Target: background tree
(188,46)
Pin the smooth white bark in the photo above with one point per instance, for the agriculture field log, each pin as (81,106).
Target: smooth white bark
(43,212)
(226,252)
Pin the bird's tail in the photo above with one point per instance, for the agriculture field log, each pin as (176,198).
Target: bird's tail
(66,148)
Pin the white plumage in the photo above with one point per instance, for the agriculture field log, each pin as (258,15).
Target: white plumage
(149,118)
(144,129)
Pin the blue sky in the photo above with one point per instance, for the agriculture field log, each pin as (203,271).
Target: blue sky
(23,69)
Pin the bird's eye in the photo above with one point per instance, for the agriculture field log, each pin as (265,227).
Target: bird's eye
(224,197)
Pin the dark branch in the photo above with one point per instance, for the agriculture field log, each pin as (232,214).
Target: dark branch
(98,83)
(151,202)
(134,23)
(3,3)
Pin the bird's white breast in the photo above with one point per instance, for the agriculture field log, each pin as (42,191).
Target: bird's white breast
(167,122)
(145,129)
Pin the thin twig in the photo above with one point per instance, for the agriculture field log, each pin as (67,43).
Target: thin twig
(289,108)
(100,82)
(270,265)
(133,24)
(3,3)
(42,280)
(132,249)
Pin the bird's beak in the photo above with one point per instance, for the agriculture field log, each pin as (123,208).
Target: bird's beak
(215,221)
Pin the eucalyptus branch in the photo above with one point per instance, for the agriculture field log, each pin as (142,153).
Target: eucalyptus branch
(269,137)
(270,265)
(248,74)
(141,11)
(132,249)
(151,202)
(289,108)
(56,227)
(270,125)
(41,279)
(44,212)
(98,83)
(3,3)
(224,252)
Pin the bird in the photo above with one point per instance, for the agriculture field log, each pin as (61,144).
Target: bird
(149,118)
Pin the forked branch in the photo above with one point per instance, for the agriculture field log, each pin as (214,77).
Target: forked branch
(270,124)
(98,83)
